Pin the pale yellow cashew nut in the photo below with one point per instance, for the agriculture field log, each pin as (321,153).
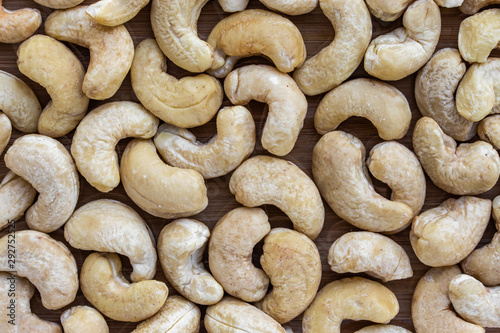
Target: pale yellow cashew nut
(115,12)
(17,25)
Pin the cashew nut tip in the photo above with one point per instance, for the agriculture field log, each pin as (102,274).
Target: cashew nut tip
(404,51)
(353,298)
(231,6)
(83,319)
(16,195)
(336,62)
(111,49)
(189,102)
(115,12)
(449,3)
(388,10)
(473,6)
(264,180)
(51,64)
(17,25)
(489,130)
(294,7)
(479,35)
(5,131)
(59,4)
(111,226)
(380,328)
(180,247)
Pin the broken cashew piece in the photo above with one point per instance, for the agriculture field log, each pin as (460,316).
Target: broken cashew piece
(16,195)
(479,35)
(264,180)
(489,130)
(18,25)
(468,169)
(110,226)
(52,65)
(383,329)
(95,138)
(104,286)
(180,248)
(384,105)
(5,131)
(111,49)
(294,7)
(336,62)
(388,10)
(59,4)
(473,6)
(233,143)
(404,51)
(83,319)
(115,12)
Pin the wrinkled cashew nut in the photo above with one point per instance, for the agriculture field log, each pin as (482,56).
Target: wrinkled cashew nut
(489,130)
(388,10)
(115,12)
(473,6)
(294,7)
(479,35)
(17,25)
(16,195)
(83,319)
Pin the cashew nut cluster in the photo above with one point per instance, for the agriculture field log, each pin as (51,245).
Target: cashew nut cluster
(388,10)
(336,62)
(293,7)
(479,35)
(383,329)
(489,130)
(5,131)
(115,12)
(473,6)
(16,195)
(83,319)
(405,50)
(17,25)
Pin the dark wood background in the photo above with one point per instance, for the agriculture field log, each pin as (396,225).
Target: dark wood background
(318,33)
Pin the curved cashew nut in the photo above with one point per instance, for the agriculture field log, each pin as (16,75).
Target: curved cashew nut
(16,195)
(111,226)
(231,261)
(189,102)
(294,7)
(115,12)
(388,10)
(468,169)
(435,88)
(384,105)
(156,187)
(353,298)
(479,35)
(95,138)
(232,6)
(377,255)
(403,51)
(256,32)
(431,309)
(83,319)
(383,329)
(104,286)
(111,49)
(489,130)
(473,6)
(52,65)
(59,4)
(335,63)
(17,25)
(264,180)
(47,263)
(180,247)
(5,131)
(48,167)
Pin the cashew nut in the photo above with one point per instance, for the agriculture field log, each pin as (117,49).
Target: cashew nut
(473,6)
(17,25)
(377,255)
(16,195)
(353,298)
(431,309)
(111,49)
(403,51)
(52,65)
(435,88)
(59,4)
(188,102)
(48,167)
(380,328)
(233,143)
(444,235)
(180,247)
(232,6)
(384,105)
(230,253)
(104,286)
(449,3)
(489,130)
(287,104)
(264,180)
(468,169)
(387,10)
(293,7)
(83,319)
(5,131)
(95,138)
(47,263)
(115,12)
(111,226)
(479,35)
(156,187)
(256,32)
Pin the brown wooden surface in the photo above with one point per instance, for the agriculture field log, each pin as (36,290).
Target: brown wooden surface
(318,33)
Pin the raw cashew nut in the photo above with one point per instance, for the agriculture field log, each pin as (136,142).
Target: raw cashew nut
(189,102)
(469,169)
(115,12)
(104,286)
(230,253)
(269,180)
(111,49)
(180,247)
(473,6)
(59,4)
(95,138)
(17,25)
(384,105)
(435,88)
(83,319)
(431,309)
(47,263)
(388,10)
(111,226)
(233,143)
(489,130)
(177,315)
(402,52)
(48,167)
(233,315)
(16,195)
(292,262)
(336,62)
(449,3)
(372,253)
(479,35)
(353,298)
(383,329)
(156,187)
(293,7)
(339,172)
(52,65)
(256,32)
(5,131)
(232,6)
(444,235)
(287,104)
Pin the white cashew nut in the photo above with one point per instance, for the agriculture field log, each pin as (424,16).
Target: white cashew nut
(479,35)
(115,12)
(83,319)
(16,195)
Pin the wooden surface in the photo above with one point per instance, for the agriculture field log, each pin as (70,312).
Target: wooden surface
(318,33)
